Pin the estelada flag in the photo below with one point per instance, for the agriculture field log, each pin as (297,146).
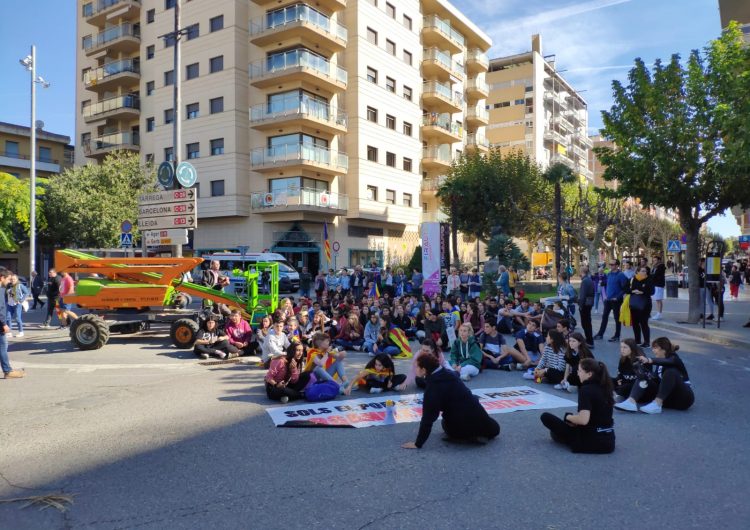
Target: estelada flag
(399,338)
(326,243)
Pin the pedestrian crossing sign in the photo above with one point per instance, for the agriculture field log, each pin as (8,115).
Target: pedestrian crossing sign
(674,245)
(126,240)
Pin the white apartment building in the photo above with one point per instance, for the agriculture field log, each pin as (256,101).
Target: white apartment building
(295,113)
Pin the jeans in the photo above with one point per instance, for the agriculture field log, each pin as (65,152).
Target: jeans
(292,391)
(389,350)
(327,375)
(612,305)
(709,301)
(4,360)
(15,312)
(51,304)
(349,344)
(469,370)
(596,299)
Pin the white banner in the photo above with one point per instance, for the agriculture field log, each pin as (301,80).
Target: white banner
(407,408)
(431,258)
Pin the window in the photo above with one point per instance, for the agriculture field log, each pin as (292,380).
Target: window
(407,92)
(191,71)
(150,52)
(216,23)
(390,84)
(193,31)
(390,122)
(407,57)
(407,128)
(372,114)
(149,88)
(390,10)
(193,150)
(390,159)
(150,15)
(169,154)
(11,149)
(45,154)
(372,36)
(149,158)
(407,198)
(407,167)
(150,123)
(217,146)
(407,22)
(216,105)
(390,196)
(217,188)
(169,78)
(169,4)
(169,41)
(191,111)
(372,193)
(390,47)
(85,140)
(216,64)
(168,116)
(372,153)
(372,75)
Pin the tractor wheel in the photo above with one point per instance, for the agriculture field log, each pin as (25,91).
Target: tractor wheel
(89,332)
(182,300)
(183,333)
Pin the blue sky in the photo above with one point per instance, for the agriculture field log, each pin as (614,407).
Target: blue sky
(594,41)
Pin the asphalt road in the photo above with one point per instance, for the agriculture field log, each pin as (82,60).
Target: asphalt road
(143,436)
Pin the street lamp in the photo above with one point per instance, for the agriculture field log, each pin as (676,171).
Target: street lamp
(29,62)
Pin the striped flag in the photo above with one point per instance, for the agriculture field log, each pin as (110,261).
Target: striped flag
(399,338)
(326,243)
(374,290)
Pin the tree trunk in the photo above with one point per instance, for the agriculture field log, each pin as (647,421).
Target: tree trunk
(454,232)
(695,304)
(558,227)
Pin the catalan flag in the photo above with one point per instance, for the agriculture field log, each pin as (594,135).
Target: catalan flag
(374,290)
(326,243)
(398,337)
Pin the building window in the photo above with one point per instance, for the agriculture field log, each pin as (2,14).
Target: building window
(149,158)
(193,31)
(169,4)
(216,105)
(169,154)
(217,188)
(169,41)
(407,128)
(217,146)
(168,116)
(390,122)
(390,47)
(407,200)
(407,57)
(372,153)
(169,78)
(150,122)
(407,22)
(150,16)
(45,154)
(407,165)
(192,71)
(216,64)
(407,92)
(372,75)
(390,10)
(372,36)
(216,23)
(193,150)
(372,193)
(372,114)
(11,149)
(150,52)
(390,159)
(192,111)
(149,88)
(390,196)
(390,84)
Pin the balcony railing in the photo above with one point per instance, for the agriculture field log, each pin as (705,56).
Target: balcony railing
(285,61)
(117,67)
(295,106)
(297,198)
(19,156)
(434,216)
(478,57)
(478,85)
(432,184)
(129,101)
(441,153)
(433,54)
(433,21)
(92,8)
(475,139)
(294,14)
(112,141)
(114,33)
(479,113)
(291,153)
(444,91)
(444,122)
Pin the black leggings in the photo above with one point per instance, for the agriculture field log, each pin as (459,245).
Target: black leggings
(579,439)
(395,380)
(292,391)
(672,390)
(639,318)
(484,427)
(215,348)
(553,376)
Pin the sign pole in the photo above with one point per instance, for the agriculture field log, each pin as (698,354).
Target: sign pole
(177,123)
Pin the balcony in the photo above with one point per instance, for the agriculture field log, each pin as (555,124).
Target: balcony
(477,88)
(435,216)
(439,127)
(125,38)
(439,96)
(551,135)
(563,122)
(560,158)
(302,156)
(96,13)
(477,62)
(299,201)
(16,160)
(296,112)
(103,145)
(437,157)
(119,107)
(126,72)
(476,141)
(439,64)
(328,5)
(477,116)
(298,21)
(298,66)
(394,214)
(585,141)
(439,33)
(432,184)
(581,153)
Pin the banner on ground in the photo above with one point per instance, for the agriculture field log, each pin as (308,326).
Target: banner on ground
(407,408)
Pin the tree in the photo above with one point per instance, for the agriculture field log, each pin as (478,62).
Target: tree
(589,217)
(507,252)
(557,175)
(15,201)
(416,260)
(681,135)
(85,205)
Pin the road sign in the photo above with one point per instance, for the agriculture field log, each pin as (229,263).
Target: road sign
(155,238)
(744,242)
(336,246)
(673,245)
(165,174)
(176,221)
(162,197)
(186,174)
(126,240)
(126,226)
(163,210)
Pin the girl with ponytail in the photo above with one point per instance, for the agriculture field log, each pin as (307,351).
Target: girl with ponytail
(591,429)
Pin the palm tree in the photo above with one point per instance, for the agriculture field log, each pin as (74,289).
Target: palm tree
(557,174)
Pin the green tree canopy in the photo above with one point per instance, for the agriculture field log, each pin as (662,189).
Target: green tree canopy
(15,201)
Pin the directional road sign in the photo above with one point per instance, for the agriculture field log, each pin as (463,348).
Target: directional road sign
(673,245)
(172,236)
(177,221)
(168,209)
(162,210)
(161,197)
(186,174)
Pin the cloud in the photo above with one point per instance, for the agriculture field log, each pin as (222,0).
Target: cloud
(553,15)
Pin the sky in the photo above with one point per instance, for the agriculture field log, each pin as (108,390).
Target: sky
(594,42)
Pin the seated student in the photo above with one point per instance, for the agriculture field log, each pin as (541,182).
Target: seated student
(628,369)
(285,380)
(337,323)
(530,343)
(434,329)
(495,353)
(563,326)
(521,315)
(535,313)
(293,332)
(574,353)
(275,344)
(379,374)
(212,341)
(591,430)
(351,335)
(376,338)
(558,308)
(551,367)
(452,321)
(241,334)
(505,317)
(674,390)
(402,321)
(466,355)
(325,362)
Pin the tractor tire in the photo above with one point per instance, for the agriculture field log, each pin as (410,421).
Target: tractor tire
(182,300)
(183,333)
(89,332)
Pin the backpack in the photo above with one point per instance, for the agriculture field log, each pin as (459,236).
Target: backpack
(322,391)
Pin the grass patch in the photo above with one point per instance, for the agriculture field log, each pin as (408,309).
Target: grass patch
(534,297)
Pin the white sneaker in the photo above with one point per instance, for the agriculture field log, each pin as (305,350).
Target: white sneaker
(657,316)
(528,375)
(466,378)
(284,399)
(559,386)
(651,408)
(627,405)
(19,334)
(375,390)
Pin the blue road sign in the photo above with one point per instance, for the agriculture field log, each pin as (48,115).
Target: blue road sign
(674,245)
(165,174)
(126,240)
(186,174)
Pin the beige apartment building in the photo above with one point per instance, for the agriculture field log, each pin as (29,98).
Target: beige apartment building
(295,114)
(533,108)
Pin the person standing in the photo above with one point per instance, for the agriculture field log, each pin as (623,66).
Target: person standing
(37,286)
(15,294)
(416,283)
(305,282)
(659,282)
(53,295)
(512,280)
(616,282)
(67,288)
(8,371)
(503,281)
(586,295)
(735,280)
(475,284)
(640,290)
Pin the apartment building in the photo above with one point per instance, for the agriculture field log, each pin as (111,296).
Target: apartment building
(295,113)
(533,108)
(54,152)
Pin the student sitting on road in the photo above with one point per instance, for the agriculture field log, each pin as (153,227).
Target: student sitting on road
(575,352)
(495,353)
(428,347)
(241,334)
(376,338)
(350,337)
(551,367)
(466,355)
(627,369)
(324,362)
(674,391)
(213,342)
(276,343)
(285,380)
(379,375)
(434,330)
(530,343)
(591,430)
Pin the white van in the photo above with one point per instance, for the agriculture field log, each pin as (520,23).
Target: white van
(288,275)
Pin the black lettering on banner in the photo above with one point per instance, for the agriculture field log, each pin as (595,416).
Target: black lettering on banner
(343,408)
(323,410)
(290,413)
(303,412)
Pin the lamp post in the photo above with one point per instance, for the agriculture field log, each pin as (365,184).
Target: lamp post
(29,62)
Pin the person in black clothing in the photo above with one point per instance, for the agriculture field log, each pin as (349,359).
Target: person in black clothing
(628,369)
(53,295)
(592,429)
(640,289)
(37,286)
(586,302)
(463,416)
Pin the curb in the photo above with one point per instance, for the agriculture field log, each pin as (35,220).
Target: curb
(701,334)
